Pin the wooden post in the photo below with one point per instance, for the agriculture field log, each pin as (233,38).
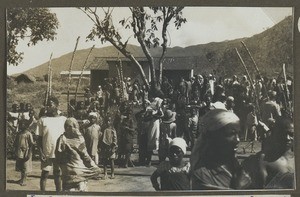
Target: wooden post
(288,104)
(81,74)
(70,70)
(252,84)
(48,80)
(257,70)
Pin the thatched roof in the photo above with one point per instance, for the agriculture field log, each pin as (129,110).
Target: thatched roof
(26,78)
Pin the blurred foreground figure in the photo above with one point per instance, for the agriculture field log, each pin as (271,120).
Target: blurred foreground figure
(72,156)
(214,165)
(274,166)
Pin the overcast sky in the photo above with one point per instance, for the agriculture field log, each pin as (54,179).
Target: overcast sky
(204,25)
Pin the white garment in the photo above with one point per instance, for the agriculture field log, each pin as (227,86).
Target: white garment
(16,117)
(153,135)
(50,128)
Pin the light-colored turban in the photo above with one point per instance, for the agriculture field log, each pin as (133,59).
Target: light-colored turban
(212,121)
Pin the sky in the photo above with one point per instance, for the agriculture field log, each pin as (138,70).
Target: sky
(204,25)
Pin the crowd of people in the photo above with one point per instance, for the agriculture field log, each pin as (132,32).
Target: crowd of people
(203,114)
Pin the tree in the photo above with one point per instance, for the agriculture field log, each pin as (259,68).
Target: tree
(144,24)
(35,24)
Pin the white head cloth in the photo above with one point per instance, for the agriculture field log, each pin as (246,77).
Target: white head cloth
(211,122)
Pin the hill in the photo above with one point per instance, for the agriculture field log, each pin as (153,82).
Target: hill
(270,49)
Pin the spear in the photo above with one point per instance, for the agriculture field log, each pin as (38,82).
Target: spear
(256,68)
(81,74)
(70,69)
(48,81)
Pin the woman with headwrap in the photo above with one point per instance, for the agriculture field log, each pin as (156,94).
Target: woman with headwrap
(214,165)
(75,163)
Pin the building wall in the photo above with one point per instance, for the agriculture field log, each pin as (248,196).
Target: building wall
(129,70)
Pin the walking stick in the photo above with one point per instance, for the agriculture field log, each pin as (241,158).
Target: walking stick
(48,80)
(81,74)
(70,69)
(256,68)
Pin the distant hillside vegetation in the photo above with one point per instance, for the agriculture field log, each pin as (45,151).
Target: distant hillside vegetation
(270,49)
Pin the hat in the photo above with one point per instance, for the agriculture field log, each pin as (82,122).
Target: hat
(179,142)
(169,116)
(93,114)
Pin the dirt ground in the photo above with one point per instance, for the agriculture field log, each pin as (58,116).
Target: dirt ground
(126,179)
(130,179)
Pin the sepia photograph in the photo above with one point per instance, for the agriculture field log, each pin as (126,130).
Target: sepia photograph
(150,99)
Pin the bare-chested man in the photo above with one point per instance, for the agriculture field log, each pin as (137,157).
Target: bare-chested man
(274,166)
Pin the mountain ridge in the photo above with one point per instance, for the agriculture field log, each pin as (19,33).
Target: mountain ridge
(270,49)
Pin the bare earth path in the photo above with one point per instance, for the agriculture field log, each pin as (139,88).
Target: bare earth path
(130,179)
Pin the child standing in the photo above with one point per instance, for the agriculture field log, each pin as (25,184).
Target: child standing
(193,126)
(91,134)
(251,131)
(126,143)
(108,146)
(23,144)
(174,174)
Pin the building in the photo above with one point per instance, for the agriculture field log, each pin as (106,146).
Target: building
(109,67)
(75,74)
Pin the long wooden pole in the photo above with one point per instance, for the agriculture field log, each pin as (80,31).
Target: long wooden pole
(250,79)
(50,85)
(83,68)
(70,70)
(256,68)
(48,80)
(287,90)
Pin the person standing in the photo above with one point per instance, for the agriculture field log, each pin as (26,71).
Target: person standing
(153,115)
(49,128)
(167,132)
(271,108)
(142,127)
(72,157)
(126,142)
(193,126)
(23,145)
(108,146)
(92,133)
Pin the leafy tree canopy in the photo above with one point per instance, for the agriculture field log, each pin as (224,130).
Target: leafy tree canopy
(145,22)
(34,24)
